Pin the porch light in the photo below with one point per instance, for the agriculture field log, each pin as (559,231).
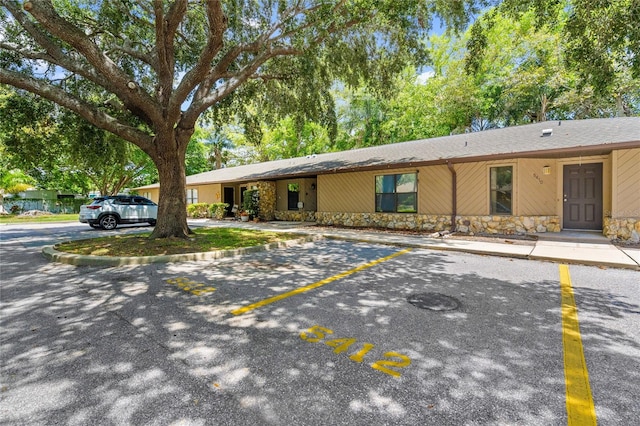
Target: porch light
(546,170)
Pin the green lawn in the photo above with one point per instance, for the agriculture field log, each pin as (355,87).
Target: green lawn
(203,240)
(11,218)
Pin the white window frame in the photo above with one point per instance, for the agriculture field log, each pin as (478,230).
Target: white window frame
(192,195)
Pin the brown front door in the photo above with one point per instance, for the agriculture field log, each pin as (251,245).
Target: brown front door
(583,196)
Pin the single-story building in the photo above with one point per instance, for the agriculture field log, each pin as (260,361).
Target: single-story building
(542,177)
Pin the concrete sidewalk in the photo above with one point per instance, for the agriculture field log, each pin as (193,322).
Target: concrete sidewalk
(569,247)
(563,247)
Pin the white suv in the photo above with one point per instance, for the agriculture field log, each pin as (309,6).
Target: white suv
(108,212)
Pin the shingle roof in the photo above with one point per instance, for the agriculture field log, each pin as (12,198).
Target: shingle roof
(574,137)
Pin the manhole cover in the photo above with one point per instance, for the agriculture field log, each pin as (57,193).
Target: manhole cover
(434,301)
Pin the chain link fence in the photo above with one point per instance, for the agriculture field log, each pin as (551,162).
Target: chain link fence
(62,205)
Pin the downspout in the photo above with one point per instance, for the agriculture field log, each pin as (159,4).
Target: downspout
(454,195)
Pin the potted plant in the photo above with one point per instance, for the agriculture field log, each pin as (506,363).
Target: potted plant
(250,203)
(244,215)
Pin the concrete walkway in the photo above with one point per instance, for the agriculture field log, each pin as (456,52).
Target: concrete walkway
(602,253)
(563,247)
(586,248)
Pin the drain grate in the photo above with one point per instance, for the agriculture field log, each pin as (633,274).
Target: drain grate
(434,301)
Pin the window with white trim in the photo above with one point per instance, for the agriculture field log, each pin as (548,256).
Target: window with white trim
(192,196)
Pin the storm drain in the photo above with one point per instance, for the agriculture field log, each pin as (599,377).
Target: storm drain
(434,301)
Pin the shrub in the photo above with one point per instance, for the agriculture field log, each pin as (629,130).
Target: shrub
(198,210)
(218,210)
(251,202)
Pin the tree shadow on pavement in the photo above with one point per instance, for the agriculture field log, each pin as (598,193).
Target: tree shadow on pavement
(88,345)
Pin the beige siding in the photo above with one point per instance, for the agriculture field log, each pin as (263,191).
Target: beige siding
(281,197)
(347,192)
(473,188)
(210,193)
(626,172)
(434,190)
(536,192)
(607,184)
(355,192)
(309,194)
(153,194)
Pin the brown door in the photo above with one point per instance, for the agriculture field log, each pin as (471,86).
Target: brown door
(583,196)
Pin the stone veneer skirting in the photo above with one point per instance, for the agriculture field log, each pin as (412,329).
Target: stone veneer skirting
(626,228)
(295,216)
(507,224)
(425,222)
(620,228)
(419,222)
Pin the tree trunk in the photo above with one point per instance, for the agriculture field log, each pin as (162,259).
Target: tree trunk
(218,154)
(172,206)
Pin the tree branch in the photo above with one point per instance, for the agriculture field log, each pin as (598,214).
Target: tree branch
(165,28)
(204,97)
(135,98)
(55,53)
(217,26)
(129,50)
(199,105)
(85,110)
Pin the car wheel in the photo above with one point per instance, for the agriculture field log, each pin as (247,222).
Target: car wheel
(108,222)
(152,222)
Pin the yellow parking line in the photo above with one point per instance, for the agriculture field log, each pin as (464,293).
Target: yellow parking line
(580,408)
(306,288)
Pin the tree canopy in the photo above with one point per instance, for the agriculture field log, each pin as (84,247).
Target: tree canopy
(146,70)
(599,37)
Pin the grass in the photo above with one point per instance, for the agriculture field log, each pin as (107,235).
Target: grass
(12,218)
(203,240)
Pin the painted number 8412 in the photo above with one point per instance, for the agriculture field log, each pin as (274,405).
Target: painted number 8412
(390,365)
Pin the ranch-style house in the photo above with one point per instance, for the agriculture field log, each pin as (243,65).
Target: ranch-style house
(542,177)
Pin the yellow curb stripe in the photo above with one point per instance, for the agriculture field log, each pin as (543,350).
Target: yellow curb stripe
(580,408)
(306,288)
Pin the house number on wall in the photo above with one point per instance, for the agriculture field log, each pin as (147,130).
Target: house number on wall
(538,178)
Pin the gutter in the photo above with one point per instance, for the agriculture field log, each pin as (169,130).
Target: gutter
(454,195)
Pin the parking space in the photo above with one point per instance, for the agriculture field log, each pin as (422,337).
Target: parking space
(331,323)
(494,356)
(340,332)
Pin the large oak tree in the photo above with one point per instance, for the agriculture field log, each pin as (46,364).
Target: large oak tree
(159,65)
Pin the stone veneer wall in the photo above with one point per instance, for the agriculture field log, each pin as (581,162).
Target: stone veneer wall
(623,229)
(627,228)
(295,216)
(424,222)
(418,222)
(507,224)
(267,204)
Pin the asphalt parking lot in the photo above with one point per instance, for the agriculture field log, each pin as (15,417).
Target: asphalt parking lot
(328,332)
